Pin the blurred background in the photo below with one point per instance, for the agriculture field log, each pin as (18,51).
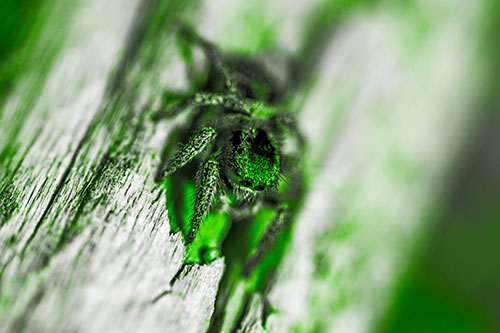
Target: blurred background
(448,276)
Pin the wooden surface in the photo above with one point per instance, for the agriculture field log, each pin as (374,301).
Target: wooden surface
(84,234)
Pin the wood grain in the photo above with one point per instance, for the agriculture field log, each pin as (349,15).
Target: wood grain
(85,239)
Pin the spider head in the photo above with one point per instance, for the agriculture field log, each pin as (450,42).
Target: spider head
(254,160)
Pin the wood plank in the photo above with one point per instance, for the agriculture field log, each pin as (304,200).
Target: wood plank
(86,244)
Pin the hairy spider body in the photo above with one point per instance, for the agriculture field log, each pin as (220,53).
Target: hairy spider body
(237,132)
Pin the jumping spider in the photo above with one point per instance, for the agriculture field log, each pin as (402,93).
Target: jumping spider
(240,132)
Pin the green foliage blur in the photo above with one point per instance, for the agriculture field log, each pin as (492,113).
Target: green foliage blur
(454,284)
(17,20)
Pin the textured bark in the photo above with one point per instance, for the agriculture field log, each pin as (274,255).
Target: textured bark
(84,235)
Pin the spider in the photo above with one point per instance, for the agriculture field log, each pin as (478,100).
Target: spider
(238,134)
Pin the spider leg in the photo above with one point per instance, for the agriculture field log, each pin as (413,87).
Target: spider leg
(268,239)
(170,141)
(286,123)
(213,55)
(208,180)
(200,99)
(194,145)
(228,101)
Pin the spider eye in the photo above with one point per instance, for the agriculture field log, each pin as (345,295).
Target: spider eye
(236,138)
(262,145)
(246,183)
(259,188)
